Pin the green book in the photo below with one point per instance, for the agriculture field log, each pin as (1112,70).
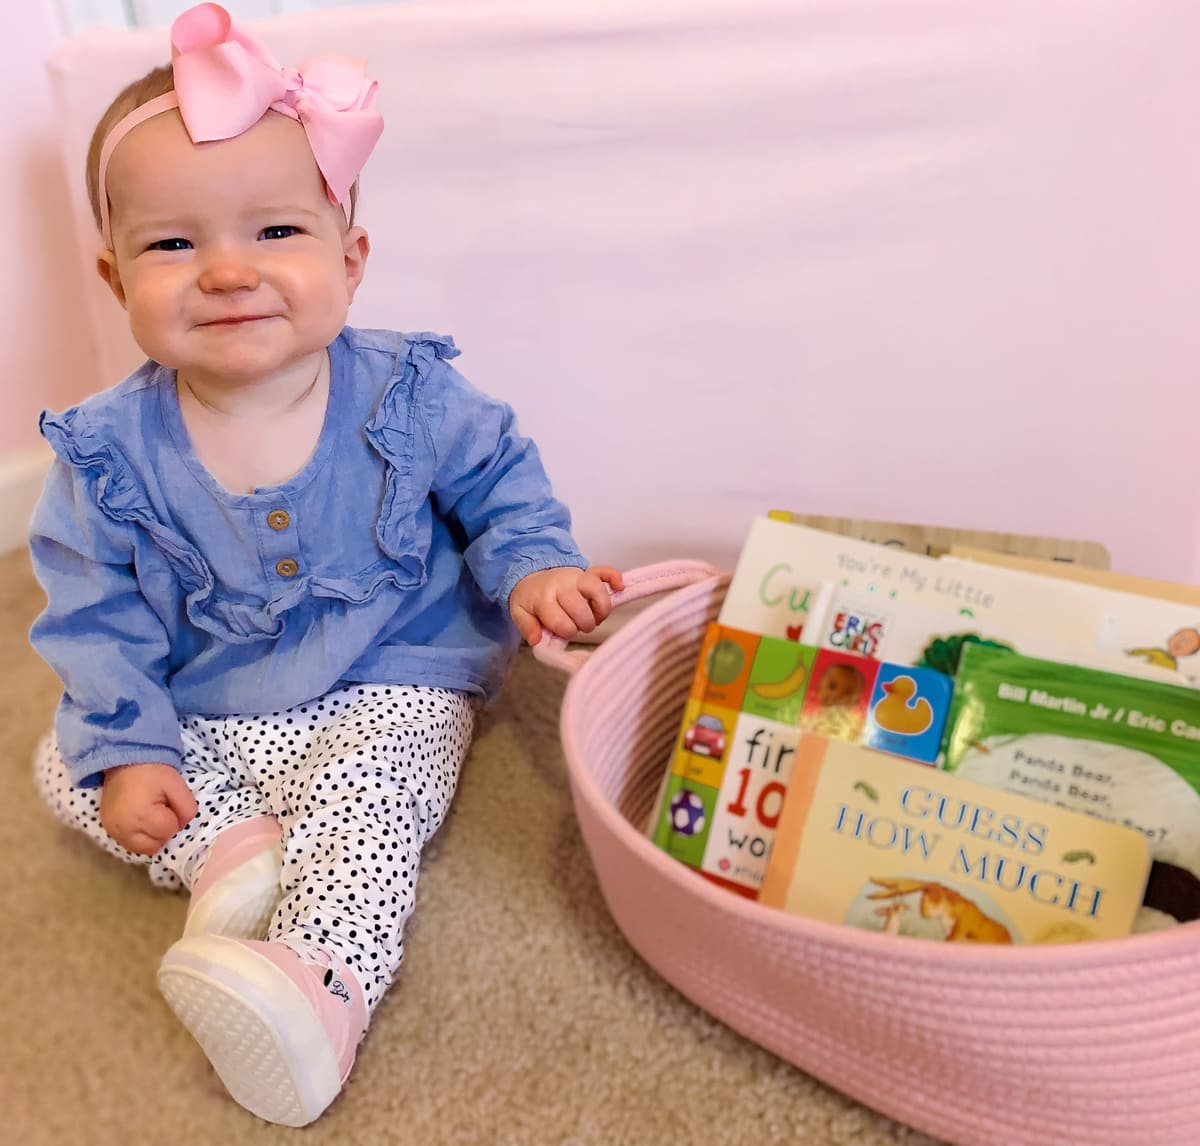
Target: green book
(1120,748)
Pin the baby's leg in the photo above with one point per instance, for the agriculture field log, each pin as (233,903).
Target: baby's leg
(280,1020)
(356,816)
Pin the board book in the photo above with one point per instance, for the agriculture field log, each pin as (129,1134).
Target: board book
(1140,629)
(886,845)
(1116,747)
(935,540)
(751,699)
(1176,591)
(796,582)
(785,571)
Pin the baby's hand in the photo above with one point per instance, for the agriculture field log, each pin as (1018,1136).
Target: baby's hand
(566,601)
(143,805)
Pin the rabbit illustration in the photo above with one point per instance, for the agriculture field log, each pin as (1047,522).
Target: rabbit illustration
(961,920)
(891,913)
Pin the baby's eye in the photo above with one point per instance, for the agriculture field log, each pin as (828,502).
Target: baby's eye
(170,245)
(282,231)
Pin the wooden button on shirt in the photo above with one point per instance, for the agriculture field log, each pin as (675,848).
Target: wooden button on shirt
(287,567)
(279,519)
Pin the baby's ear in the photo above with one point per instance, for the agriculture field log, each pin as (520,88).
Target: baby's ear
(106,268)
(356,246)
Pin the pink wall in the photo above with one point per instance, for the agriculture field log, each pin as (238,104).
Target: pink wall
(907,259)
(47,341)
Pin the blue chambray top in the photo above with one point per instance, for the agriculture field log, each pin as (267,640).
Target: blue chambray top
(387,559)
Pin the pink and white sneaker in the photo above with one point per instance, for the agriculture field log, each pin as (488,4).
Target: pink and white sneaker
(279,1029)
(238,887)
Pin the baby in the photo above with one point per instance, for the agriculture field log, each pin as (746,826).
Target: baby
(841,685)
(283,560)
(835,706)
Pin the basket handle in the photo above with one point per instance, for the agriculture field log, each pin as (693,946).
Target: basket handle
(644,581)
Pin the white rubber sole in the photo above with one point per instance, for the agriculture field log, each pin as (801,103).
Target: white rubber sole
(240,905)
(263,1039)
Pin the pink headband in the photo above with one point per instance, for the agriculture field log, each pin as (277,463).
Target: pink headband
(226,81)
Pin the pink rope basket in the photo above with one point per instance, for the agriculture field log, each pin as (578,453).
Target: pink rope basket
(1091,1044)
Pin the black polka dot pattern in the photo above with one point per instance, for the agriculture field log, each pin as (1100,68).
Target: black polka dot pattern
(359,780)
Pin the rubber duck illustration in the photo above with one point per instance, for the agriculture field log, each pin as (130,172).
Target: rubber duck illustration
(895,713)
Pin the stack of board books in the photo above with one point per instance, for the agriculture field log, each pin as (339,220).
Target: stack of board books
(963,747)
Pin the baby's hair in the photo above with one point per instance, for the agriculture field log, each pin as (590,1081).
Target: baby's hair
(156,82)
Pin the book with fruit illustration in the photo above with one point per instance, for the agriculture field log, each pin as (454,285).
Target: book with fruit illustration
(751,699)
(887,845)
(1116,747)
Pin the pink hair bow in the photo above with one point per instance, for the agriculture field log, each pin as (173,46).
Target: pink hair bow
(226,81)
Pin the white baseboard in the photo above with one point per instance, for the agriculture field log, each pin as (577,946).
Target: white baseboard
(21,478)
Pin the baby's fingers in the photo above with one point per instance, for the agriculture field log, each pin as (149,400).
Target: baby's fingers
(142,843)
(555,617)
(582,612)
(159,823)
(147,832)
(527,625)
(609,574)
(598,591)
(180,801)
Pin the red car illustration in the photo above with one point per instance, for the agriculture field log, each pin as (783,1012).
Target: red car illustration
(706,737)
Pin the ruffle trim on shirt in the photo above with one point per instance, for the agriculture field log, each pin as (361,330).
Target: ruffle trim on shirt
(402,531)
(122,499)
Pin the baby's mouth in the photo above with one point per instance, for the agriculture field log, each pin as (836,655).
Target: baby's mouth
(237,320)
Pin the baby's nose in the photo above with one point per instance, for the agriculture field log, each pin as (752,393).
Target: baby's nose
(227,270)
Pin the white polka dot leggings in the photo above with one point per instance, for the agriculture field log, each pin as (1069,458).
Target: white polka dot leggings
(359,781)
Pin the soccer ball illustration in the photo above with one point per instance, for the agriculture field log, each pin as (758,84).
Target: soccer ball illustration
(687,813)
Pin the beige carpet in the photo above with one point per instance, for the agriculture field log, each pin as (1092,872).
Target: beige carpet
(521,1015)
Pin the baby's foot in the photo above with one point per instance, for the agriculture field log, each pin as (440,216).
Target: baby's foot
(279,1030)
(237,890)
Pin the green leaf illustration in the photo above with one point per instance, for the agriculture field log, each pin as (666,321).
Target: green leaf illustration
(944,653)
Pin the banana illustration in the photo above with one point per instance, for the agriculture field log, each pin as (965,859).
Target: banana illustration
(778,689)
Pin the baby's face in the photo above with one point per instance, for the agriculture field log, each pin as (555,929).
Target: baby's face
(840,684)
(229,257)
